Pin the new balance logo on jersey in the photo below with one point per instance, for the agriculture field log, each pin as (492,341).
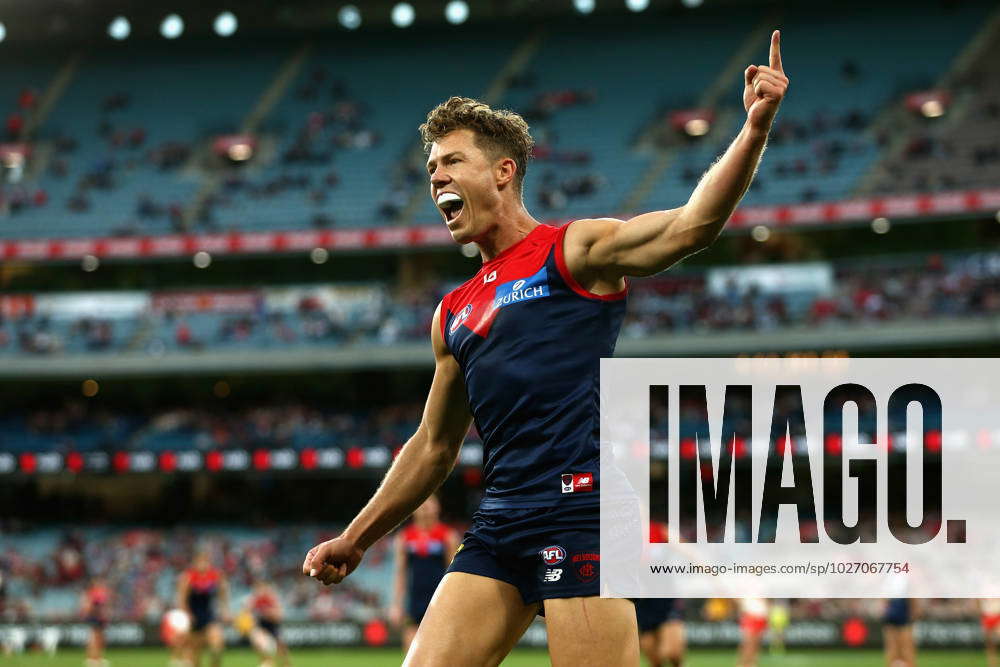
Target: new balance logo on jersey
(553,574)
(577,482)
(524,289)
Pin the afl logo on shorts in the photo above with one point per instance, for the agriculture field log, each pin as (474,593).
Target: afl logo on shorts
(553,555)
(456,322)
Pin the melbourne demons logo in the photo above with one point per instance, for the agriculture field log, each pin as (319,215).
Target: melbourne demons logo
(553,555)
(456,321)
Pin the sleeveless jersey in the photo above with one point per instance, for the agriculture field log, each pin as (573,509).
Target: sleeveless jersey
(529,340)
(98,598)
(425,557)
(202,587)
(264,605)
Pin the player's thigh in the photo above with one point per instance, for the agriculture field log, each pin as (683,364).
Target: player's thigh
(907,644)
(648,646)
(671,639)
(472,620)
(890,639)
(592,631)
(214,636)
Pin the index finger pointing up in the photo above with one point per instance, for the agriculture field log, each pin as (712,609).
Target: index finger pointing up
(775,59)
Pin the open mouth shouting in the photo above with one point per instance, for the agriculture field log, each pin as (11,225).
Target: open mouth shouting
(450,204)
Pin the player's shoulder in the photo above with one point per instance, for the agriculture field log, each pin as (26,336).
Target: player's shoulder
(589,230)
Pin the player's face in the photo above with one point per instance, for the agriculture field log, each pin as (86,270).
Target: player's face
(463,185)
(429,511)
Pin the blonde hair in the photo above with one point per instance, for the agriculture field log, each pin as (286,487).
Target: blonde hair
(499,132)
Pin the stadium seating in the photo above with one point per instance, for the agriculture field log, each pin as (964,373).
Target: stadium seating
(123,149)
(123,108)
(876,290)
(391,105)
(844,70)
(630,71)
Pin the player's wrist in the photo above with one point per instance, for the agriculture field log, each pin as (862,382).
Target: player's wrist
(757,131)
(355,540)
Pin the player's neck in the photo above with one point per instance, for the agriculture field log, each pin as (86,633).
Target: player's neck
(509,228)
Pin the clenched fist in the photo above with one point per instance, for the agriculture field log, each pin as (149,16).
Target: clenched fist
(332,560)
(765,88)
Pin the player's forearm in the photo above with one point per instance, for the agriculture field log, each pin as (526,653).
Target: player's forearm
(420,468)
(723,185)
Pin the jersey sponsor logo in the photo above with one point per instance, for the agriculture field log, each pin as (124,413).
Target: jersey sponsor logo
(522,289)
(489,277)
(553,555)
(586,566)
(553,574)
(577,482)
(457,320)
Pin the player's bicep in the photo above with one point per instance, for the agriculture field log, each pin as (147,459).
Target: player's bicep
(641,246)
(446,415)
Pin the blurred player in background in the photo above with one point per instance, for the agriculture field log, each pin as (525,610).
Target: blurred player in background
(266,611)
(897,632)
(423,551)
(660,620)
(174,629)
(95,607)
(778,619)
(753,625)
(200,589)
(661,630)
(518,348)
(989,609)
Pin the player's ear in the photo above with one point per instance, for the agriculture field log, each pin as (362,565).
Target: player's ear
(506,170)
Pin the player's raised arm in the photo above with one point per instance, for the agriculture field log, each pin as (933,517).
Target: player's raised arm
(421,467)
(602,251)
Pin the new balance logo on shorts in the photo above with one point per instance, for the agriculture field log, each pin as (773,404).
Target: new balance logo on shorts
(577,482)
(553,574)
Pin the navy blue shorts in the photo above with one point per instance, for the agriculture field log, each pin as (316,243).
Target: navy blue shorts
(651,613)
(897,613)
(544,552)
(270,627)
(417,603)
(97,622)
(201,619)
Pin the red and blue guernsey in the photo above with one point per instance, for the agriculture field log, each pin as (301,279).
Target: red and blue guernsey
(529,340)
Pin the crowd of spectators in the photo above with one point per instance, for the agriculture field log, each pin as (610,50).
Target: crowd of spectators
(77,426)
(141,566)
(862,293)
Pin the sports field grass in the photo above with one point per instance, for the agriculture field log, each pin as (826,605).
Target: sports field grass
(520,658)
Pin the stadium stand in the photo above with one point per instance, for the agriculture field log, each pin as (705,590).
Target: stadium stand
(820,146)
(126,149)
(859,292)
(46,570)
(957,147)
(124,131)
